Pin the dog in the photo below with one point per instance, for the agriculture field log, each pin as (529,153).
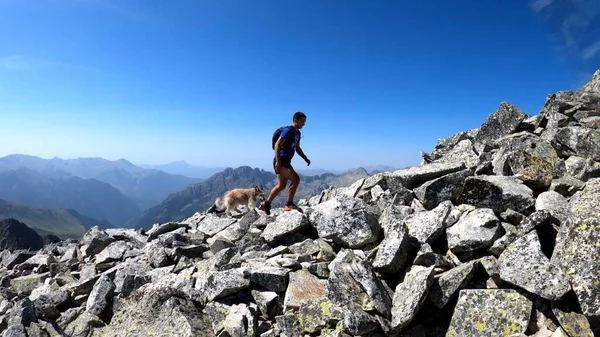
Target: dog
(238,197)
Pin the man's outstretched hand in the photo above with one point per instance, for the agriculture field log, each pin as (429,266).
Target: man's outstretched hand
(307,161)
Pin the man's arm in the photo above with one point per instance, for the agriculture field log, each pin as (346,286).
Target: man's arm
(278,145)
(301,153)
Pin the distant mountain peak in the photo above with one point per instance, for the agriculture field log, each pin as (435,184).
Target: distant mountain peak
(16,235)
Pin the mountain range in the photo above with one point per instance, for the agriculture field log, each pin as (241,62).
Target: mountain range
(67,196)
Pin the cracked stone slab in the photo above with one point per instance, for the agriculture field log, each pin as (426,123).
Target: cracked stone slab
(524,264)
(493,312)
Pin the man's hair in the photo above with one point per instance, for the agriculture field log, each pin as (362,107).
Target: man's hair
(298,115)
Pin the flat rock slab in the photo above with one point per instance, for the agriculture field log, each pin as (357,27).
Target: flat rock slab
(577,254)
(497,193)
(415,176)
(477,229)
(348,221)
(410,295)
(524,264)
(493,312)
(285,224)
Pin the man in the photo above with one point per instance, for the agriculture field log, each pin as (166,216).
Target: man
(286,146)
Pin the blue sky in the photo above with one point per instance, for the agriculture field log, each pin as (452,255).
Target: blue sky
(208,81)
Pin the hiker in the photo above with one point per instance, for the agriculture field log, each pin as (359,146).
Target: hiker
(286,142)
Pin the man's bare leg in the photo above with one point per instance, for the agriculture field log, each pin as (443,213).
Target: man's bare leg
(281,182)
(293,186)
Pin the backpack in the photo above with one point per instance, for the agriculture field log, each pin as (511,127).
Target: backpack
(276,135)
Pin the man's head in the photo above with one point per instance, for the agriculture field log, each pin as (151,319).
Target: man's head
(299,120)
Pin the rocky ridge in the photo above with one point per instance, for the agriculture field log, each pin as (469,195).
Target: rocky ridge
(496,233)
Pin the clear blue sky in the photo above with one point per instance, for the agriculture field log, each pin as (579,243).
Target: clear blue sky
(208,81)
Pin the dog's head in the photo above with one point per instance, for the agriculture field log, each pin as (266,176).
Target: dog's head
(259,191)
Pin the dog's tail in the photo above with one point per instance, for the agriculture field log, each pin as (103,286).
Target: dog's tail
(219,204)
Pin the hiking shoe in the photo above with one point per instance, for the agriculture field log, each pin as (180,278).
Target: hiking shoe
(266,207)
(290,206)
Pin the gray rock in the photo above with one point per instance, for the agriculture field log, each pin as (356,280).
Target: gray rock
(497,193)
(347,221)
(94,241)
(448,284)
(510,235)
(225,283)
(213,224)
(582,168)
(271,278)
(555,204)
(477,229)
(303,286)
(427,257)
(573,323)
(428,226)
(584,204)
(158,310)
(352,283)
(393,251)
(483,313)
(524,264)
(264,299)
(448,187)
(410,295)
(113,252)
(158,229)
(462,152)
(84,325)
(566,186)
(100,296)
(579,140)
(415,176)
(285,224)
(577,254)
(504,121)
(535,220)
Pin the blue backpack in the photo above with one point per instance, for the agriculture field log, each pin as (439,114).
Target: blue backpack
(288,142)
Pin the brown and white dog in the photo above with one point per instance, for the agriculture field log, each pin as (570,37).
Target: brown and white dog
(240,196)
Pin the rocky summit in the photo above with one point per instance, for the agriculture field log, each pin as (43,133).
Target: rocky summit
(495,233)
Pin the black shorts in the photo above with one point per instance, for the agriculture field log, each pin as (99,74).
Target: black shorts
(285,162)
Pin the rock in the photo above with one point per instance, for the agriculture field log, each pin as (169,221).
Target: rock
(584,204)
(393,250)
(477,229)
(577,254)
(285,224)
(426,227)
(553,202)
(347,221)
(415,176)
(497,192)
(581,168)
(158,310)
(447,284)
(303,286)
(524,264)
(100,296)
(448,187)
(578,140)
(482,313)
(352,283)
(566,186)
(504,121)
(410,295)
